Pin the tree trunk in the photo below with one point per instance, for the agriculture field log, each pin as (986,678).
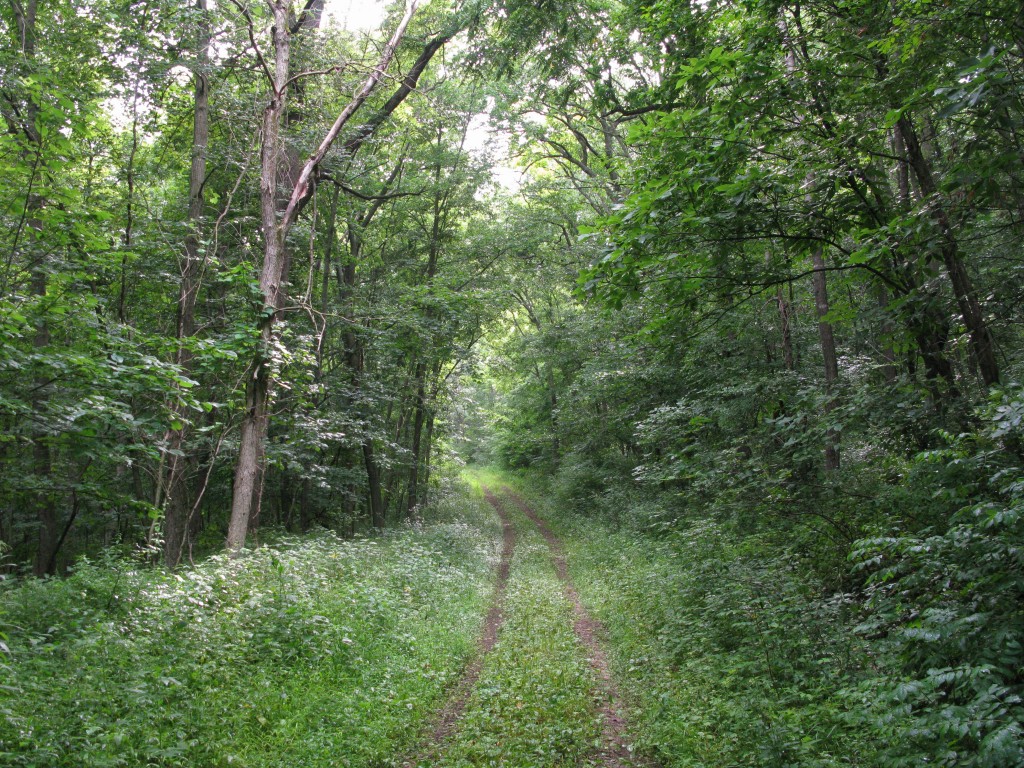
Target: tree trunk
(354,351)
(787,333)
(828,352)
(412,498)
(924,317)
(392,491)
(373,480)
(177,503)
(889,371)
(44,500)
(428,449)
(982,343)
(304,511)
(246,496)
(785,321)
(42,461)
(257,391)
(438,225)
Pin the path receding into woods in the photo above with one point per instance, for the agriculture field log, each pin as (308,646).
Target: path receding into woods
(603,739)
(449,716)
(613,751)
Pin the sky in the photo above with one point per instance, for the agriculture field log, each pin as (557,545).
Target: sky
(367,15)
(355,14)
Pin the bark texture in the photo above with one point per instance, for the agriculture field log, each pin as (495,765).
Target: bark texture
(982,344)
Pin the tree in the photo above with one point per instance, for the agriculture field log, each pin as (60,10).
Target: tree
(276,224)
(177,508)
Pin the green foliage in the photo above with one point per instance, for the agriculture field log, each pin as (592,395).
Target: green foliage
(945,605)
(718,200)
(729,652)
(314,651)
(797,182)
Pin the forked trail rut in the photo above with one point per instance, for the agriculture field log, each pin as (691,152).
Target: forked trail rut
(612,752)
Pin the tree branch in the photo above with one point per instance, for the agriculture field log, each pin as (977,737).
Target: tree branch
(303,190)
(251,29)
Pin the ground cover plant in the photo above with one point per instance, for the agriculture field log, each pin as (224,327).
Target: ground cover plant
(532,705)
(313,651)
(727,653)
(739,287)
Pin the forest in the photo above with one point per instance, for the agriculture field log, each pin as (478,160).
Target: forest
(503,383)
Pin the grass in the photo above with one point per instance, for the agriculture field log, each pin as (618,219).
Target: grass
(532,706)
(314,652)
(323,652)
(727,656)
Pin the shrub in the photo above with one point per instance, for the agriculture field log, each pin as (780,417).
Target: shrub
(946,607)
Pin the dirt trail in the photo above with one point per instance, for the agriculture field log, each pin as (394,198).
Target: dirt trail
(456,704)
(613,752)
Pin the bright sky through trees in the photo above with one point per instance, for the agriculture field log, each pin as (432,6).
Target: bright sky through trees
(355,14)
(367,15)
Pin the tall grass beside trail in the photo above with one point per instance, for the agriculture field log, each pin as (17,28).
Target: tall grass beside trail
(726,650)
(316,651)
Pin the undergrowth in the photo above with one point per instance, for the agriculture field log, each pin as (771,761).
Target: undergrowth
(755,634)
(314,652)
(726,651)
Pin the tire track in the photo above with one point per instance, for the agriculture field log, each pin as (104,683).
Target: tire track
(455,706)
(613,752)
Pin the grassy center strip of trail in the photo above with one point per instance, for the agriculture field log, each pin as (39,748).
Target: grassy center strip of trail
(451,712)
(531,706)
(612,751)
